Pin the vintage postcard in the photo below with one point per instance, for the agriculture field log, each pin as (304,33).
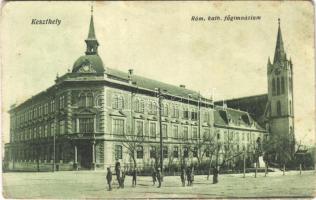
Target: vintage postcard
(157,99)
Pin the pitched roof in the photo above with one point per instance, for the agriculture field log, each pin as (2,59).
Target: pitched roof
(151,84)
(254,105)
(232,117)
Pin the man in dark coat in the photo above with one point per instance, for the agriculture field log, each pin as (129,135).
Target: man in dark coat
(134,175)
(192,176)
(159,177)
(122,178)
(109,178)
(182,175)
(154,174)
(118,172)
(188,176)
(215,175)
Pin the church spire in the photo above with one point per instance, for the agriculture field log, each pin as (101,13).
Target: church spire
(91,34)
(91,41)
(279,54)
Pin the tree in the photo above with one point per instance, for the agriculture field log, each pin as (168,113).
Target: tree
(278,150)
(203,146)
(131,143)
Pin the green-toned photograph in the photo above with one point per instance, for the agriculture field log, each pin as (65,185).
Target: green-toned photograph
(157,99)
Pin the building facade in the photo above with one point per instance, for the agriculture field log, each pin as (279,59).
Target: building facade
(93,117)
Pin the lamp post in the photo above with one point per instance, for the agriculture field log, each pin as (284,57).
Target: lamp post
(160,127)
(54,149)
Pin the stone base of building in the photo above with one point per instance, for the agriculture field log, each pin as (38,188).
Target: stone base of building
(45,167)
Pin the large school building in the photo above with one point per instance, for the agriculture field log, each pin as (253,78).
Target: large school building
(94,116)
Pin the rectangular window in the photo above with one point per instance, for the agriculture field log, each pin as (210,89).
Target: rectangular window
(118,152)
(175,131)
(52,128)
(206,117)
(62,127)
(176,112)
(185,152)
(185,133)
(194,115)
(152,129)
(152,152)
(206,133)
(139,152)
(118,127)
(175,152)
(164,130)
(152,108)
(195,132)
(45,131)
(185,113)
(86,125)
(195,152)
(165,152)
(139,128)
(40,132)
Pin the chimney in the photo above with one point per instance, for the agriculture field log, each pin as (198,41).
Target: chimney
(130,74)
(182,86)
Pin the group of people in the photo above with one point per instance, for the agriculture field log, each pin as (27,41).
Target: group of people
(120,176)
(156,175)
(187,175)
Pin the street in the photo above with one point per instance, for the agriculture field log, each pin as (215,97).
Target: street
(90,184)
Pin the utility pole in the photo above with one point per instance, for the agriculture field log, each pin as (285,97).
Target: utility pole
(244,164)
(54,150)
(160,128)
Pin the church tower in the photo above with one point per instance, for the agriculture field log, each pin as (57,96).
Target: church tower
(280,93)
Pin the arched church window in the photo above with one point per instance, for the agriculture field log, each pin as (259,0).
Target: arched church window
(290,107)
(89,100)
(282,85)
(279,108)
(273,87)
(290,83)
(278,86)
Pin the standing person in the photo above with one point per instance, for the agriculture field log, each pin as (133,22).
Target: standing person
(117,173)
(134,175)
(122,179)
(159,177)
(154,174)
(192,176)
(215,175)
(183,177)
(119,176)
(109,178)
(188,176)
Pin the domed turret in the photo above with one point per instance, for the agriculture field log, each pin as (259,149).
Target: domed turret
(91,62)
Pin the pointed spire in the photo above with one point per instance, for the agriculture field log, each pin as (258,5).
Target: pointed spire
(279,54)
(91,41)
(91,34)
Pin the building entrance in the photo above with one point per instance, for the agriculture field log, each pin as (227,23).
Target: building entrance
(85,156)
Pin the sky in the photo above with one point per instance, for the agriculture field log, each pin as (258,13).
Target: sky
(158,40)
